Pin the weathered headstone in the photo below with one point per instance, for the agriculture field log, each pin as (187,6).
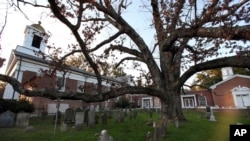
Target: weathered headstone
(86,116)
(7,119)
(157,133)
(69,116)
(22,119)
(91,116)
(44,114)
(96,118)
(104,136)
(109,114)
(149,137)
(121,116)
(135,113)
(104,118)
(97,108)
(63,127)
(176,121)
(116,116)
(29,129)
(79,119)
(208,112)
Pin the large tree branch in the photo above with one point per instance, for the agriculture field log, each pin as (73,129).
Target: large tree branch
(234,61)
(128,58)
(54,94)
(110,39)
(233,33)
(125,50)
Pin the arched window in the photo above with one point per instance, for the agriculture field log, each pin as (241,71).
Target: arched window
(202,101)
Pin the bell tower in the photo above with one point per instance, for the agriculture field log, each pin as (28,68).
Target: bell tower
(34,40)
(227,72)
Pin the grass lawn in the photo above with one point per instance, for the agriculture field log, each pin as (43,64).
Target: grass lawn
(197,128)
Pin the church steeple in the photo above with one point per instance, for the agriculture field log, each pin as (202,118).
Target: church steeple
(34,40)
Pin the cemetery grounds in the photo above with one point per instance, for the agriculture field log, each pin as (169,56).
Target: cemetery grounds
(196,128)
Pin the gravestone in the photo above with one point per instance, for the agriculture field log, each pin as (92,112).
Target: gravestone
(208,112)
(69,116)
(22,119)
(97,108)
(79,119)
(121,116)
(63,127)
(109,114)
(44,114)
(29,129)
(212,118)
(86,116)
(176,122)
(157,133)
(104,118)
(116,116)
(7,119)
(91,116)
(149,137)
(104,136)
(96,118)
(134,113)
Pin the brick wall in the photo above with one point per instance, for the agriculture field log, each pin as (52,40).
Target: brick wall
(222,94)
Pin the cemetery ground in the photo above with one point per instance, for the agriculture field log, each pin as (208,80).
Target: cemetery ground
(196,128)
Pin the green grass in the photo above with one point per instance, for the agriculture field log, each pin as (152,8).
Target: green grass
(195,129)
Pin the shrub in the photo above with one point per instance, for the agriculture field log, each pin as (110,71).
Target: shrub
(122,103)
(16,106)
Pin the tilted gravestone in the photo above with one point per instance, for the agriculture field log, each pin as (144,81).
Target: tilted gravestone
(7,119)
(22,119)
(69,116)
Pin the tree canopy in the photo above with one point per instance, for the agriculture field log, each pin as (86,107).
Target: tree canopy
(190,36)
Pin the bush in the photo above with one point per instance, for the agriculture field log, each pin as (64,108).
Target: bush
(122,103)
(16,106)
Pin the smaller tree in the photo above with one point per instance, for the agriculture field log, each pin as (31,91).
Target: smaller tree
(122,103)
(205,79)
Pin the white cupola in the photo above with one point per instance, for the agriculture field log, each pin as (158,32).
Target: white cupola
(34,40)
(227,72)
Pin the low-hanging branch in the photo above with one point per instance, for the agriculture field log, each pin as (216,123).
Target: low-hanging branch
(55,94)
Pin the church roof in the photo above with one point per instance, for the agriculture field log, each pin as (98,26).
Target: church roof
(229,78)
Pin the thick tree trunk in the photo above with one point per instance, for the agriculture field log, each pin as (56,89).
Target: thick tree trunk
(171,108)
